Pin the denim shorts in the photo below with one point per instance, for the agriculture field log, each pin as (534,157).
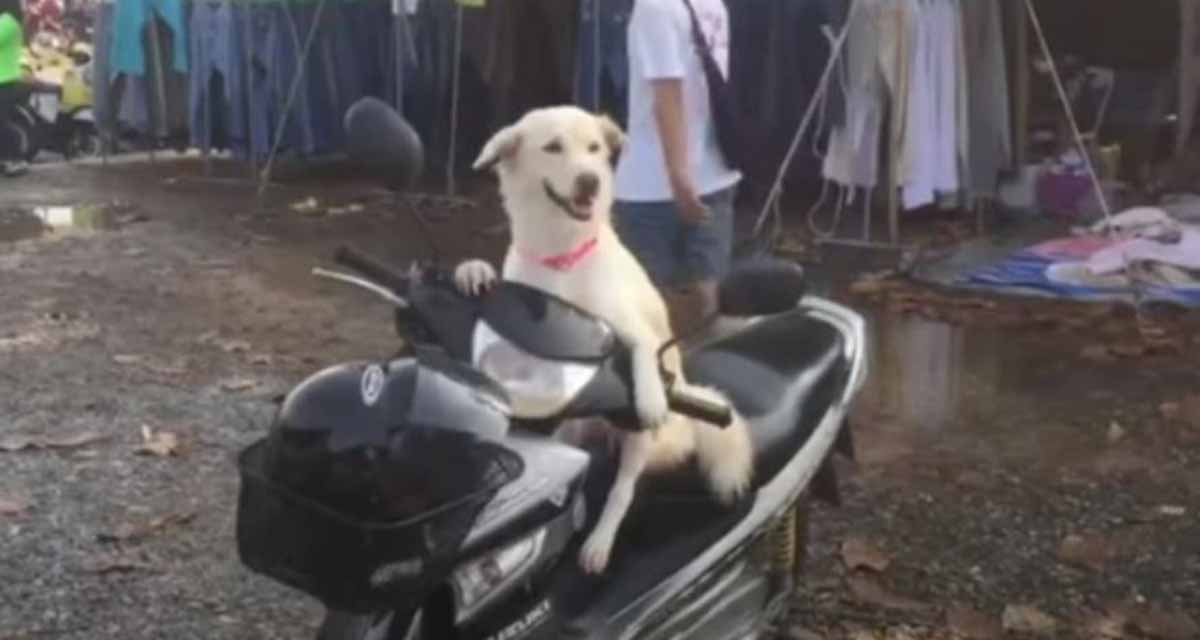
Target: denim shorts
(676,253)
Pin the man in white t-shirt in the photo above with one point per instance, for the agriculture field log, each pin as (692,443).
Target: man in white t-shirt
(674,190)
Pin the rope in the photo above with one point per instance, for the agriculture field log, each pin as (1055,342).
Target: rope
(772,202)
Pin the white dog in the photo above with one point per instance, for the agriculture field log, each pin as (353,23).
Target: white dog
(556,181)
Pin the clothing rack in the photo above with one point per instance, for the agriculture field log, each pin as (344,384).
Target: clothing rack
(1015,13)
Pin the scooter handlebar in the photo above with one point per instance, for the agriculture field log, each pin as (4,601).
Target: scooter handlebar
(371,268)
(698,407)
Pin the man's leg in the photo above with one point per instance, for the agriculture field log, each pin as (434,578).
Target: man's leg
(708,250)
(10,164)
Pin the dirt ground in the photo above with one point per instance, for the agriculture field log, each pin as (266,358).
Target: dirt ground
(1022,466)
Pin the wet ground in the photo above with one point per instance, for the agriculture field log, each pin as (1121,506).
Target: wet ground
(1026,465)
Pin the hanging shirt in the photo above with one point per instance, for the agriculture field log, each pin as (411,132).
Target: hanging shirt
(661,47)
(11,41)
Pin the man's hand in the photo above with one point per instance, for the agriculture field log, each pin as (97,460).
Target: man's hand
(691,209)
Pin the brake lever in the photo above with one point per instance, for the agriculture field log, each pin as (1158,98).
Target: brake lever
(378,290)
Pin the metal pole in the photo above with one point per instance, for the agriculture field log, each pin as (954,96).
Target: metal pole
(451,155)
(159,83)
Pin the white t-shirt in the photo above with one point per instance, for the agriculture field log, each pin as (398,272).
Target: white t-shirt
(661,47)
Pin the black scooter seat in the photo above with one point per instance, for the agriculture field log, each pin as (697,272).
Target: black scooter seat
(782,374)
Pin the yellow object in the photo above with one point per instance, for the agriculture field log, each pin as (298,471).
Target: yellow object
(473,4)
(76,91)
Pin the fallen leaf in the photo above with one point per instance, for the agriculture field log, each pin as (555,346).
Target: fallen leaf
(12,506)
(1189,411)
(1026,619)
(1116,433)
(1171,510)
(158,443)
(1128,350)
(869,591)
(972,624)
(108,565)
(126,359)
(1091,551)
(1154,621)
(234,346)
(238,384)
(1157,622)
(800,633)
(867,287)
(1111,626)
(132,533)
(1170,411)
(168,370)
(309,205)
(72,440)
(1096,353)
(20,443)
(858,553)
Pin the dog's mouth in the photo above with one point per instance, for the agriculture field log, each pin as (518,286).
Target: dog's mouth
(577,208)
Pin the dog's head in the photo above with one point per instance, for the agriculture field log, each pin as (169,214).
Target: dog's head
(559,156)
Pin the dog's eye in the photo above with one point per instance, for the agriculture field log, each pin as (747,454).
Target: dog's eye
(554,146)
(594,147)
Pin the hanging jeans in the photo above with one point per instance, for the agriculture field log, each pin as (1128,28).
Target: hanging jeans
(602,63)
(218,61)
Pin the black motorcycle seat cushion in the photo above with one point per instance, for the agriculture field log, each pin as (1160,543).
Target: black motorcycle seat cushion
(782,374)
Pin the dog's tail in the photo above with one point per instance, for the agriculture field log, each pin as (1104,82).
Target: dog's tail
(726,456)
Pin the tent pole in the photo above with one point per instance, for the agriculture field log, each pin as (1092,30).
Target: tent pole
(265,179)
(248,87)
(1189,32)
(451,154)
(596,55)
(1020,15)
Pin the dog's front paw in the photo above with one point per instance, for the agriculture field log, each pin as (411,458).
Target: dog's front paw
(652,407)
(593,556)
(474,276)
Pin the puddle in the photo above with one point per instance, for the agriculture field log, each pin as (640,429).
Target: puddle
(939,392)
(27,223)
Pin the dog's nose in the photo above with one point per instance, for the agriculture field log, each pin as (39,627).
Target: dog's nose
(587,184)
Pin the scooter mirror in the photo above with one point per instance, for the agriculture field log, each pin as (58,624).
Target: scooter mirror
(761,286)
(383,143)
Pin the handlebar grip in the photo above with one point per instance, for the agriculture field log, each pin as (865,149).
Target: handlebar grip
(700,408)
(371,268)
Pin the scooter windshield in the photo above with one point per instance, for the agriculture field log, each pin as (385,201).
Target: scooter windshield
(537,387)
(546,326)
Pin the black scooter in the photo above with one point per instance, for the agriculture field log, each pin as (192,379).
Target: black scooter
(422,497)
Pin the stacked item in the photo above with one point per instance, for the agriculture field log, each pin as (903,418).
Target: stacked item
(1140,253)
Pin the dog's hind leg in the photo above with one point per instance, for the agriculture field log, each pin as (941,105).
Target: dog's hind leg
(635,453)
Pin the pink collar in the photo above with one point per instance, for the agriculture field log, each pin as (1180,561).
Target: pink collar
(569,260)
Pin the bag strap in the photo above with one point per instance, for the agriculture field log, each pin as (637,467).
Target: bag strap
(697,34)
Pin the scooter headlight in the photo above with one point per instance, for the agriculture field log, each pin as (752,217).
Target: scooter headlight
(480,578)
(537,387)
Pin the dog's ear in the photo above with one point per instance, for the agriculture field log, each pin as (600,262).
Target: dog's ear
(612,133)
(503,146)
